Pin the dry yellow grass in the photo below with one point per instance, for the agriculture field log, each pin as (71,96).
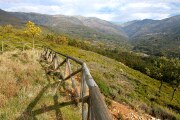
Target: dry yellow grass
(25,88)
(19,71)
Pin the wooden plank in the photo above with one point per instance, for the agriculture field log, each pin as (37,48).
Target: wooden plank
(83,93)
(98,105)
(47,55)
(55,62)
(61,64)
(53,56)
(72,79)
(89,79)
(72,74)
(69,57)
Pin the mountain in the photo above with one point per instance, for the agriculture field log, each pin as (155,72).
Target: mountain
(7,18)
(155,37)
(77,26)
(101,25)
(128,23)
(147,26)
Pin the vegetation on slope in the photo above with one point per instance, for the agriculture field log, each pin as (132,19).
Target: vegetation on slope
(27,93)
(160,68)
(121,83)
(158,45)
(155,37)
(118,81)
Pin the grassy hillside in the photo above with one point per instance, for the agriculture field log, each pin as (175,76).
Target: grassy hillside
(27,93)
(115,80)
(126,84)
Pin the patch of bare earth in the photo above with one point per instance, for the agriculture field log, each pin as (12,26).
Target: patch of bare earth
(121,111)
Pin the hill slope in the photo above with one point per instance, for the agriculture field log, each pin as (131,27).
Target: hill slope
(115,80)
(123,84)
(7,18)
(156,37)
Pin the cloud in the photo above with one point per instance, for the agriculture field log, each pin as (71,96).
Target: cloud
(9,1)
(39,9)
(112,10)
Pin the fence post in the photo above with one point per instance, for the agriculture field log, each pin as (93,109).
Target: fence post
(83,94)
(72,78)
(97,106)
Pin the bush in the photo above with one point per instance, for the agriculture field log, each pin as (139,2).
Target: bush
(163,113)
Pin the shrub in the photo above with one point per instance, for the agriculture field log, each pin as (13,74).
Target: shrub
(163,113)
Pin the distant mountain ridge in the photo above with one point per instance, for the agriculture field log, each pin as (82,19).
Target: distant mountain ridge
(147,26)
(86,27)
(149,36)
(7,18)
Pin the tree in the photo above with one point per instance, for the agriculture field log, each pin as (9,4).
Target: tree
(32,30)
(159,73)
(175,84)
(175,76)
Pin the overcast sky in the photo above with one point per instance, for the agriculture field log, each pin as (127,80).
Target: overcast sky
(111,10)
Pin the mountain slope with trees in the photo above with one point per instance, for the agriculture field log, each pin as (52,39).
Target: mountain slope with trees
(93,29)
(7,18)
(155,37)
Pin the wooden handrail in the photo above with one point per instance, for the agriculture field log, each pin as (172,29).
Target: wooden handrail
(97,109)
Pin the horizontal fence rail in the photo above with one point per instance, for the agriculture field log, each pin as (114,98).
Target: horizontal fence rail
(87,92)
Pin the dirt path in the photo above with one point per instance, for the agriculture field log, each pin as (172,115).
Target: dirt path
(120,111)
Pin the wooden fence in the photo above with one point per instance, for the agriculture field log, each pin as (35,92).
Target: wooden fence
(88,93)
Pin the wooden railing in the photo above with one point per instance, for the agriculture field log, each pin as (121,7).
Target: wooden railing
(87,92)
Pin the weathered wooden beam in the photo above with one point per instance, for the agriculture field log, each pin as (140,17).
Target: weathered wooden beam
(55,62)
(52,57)
(99,108)
(97,105)
(83,93)
(62,63)
(89,79)
(69,57)
(72,74)
(72,79)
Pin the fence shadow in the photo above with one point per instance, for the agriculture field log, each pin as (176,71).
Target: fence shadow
(30,114)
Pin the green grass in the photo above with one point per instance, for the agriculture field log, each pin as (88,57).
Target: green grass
(136,88)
